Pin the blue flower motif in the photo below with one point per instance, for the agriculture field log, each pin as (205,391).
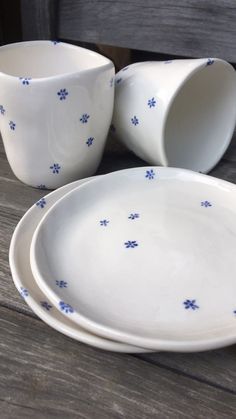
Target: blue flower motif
(55,168)
(152,102)
(61,284)
(210,61)
(126,68)
(41,203)
(150,174)
(234,312)
(55,42)
(135,120)
(62,94)
(89,141)
(104,223)
(206,204)
(41,187)
(112,128)
(24,292)
(12,125)
(112,82)
(119,80)
(2,110)
(168,61)
(66,307)
(131,244)
(46,305)
(25,80)
(84,118)
(190,304)
(133,216)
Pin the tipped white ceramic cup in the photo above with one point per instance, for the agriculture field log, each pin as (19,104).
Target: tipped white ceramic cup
(177,113)
(56,104)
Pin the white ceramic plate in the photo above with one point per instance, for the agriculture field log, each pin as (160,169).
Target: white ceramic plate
(148,258)
(27,287)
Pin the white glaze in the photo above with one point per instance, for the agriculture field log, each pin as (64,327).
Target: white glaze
(46,88)
(148,255)
(25,283)
(178,113)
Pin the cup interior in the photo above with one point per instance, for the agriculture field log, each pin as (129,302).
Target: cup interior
(201,118)
(40,59)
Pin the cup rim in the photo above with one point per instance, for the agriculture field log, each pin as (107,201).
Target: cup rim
(201,63)
(107,62)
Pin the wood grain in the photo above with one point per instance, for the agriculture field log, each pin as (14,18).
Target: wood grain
(55,376)
(39,19)
(186,27)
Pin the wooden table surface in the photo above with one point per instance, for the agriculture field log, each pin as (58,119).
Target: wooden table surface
(44,374)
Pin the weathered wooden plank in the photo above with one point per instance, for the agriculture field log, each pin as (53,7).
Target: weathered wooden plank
(9,410)
(58,377)
(9,296)
(225,170)
(16,195)
(230,154)
(215,367)
(187,27)
(39,19)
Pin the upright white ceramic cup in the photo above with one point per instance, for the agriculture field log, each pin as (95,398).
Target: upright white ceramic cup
(177,113)
(56,104)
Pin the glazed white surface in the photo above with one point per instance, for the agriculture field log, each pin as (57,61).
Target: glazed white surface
(159,273)
(178,113)
(55,110)
(19,259)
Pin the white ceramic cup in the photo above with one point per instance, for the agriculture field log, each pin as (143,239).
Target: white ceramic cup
(56,104)
(177,113)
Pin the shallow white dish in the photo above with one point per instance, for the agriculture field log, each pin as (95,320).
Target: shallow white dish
(148,257)
(27,287)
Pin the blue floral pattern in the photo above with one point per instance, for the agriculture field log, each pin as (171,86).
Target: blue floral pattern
(190,304)
(41,203)
(150,174)
(206,204)
(12,125)
(63,93)
(41,187)
(152,102)
(46,305)
(61,284)
(55,168)
(24,292)
(104,223)
(89,141)
(55,42)
(131,244)
(135,120)
(25,80)
(66,307)
(133,216)
(119,80)
(210,61)
(84,118)
(112,82)
(2,110)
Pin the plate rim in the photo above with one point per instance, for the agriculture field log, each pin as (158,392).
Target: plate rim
(193,345)
(84,335)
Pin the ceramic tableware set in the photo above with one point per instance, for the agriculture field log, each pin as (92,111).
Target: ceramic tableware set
(137,260)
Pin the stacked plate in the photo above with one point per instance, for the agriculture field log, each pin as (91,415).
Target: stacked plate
(134,261)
